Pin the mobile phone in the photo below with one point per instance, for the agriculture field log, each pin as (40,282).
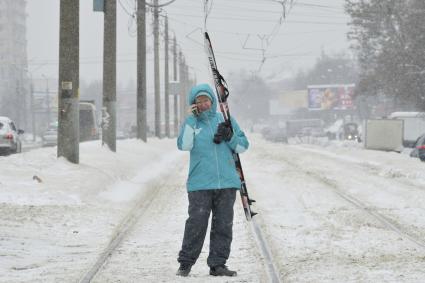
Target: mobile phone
(195,111)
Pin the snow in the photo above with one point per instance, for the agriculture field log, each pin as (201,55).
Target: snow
(320,237)
(407,115)
(54,230)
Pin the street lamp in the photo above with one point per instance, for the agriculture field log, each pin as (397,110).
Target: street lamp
(48,99)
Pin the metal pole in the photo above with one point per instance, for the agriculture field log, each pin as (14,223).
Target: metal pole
(18,104)
(141,71)
(181,83)
(24,99)
(48,102)
(186,82)
(176,109)
(32,111)
(166,84)
(156,70)
(109,74)
(68,114)
(187,78)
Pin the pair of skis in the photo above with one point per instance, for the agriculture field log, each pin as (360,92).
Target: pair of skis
(223,94)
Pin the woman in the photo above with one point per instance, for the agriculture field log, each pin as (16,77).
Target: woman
(212,182)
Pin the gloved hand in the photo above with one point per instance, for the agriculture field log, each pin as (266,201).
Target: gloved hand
(224,132)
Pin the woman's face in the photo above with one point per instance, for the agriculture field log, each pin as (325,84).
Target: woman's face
(203,103)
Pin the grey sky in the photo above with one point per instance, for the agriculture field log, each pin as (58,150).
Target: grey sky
(310,27)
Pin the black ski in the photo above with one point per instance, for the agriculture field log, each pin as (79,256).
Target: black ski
(223,94)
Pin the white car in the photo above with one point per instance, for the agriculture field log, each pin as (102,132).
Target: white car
(10,141)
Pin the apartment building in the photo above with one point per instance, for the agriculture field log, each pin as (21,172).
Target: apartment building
(14,91)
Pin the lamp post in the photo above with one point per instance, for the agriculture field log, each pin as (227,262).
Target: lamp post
(47,99)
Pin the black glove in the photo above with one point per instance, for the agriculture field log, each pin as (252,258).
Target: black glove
(224,132)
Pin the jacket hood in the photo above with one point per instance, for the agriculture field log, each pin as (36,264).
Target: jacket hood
(205,89)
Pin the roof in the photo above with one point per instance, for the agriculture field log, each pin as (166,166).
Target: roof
(4,118)
(407,115)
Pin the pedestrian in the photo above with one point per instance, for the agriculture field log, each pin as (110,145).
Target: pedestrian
(212,182)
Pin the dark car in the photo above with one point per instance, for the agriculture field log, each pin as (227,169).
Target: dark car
(275,134)
(10,140)
(350,131)
(419,149)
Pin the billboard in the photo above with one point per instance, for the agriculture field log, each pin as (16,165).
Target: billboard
(288,101)
(326,97)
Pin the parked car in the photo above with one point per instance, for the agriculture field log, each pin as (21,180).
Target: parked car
(50,137)
(121,135)
(10,141)
(419,148)
(275,134)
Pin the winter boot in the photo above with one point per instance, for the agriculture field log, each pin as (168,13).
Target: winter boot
(222,270)
(184,269)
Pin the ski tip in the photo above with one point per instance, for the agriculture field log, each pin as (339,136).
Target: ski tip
(253,213)
(250,201)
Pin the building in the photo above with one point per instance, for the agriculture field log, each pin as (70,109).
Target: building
(14,90)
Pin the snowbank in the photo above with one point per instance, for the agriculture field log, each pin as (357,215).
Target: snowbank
(56,216)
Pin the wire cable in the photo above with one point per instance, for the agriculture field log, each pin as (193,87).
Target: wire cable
(207,11)
(159,5)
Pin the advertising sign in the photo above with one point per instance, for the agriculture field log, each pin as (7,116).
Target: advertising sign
(326,97)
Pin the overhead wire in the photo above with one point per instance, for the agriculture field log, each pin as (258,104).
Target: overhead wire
(250,19)
(278,25)
(228,10)
(246,33)
(159,5)
(125,9)
(266,39)
(207,11)
(132,12)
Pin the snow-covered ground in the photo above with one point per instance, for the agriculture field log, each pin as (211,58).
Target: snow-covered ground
(54,230)
(320,237)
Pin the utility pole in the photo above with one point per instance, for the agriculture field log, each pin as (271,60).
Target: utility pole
(48,103)
(156,70)
(141,71)
(68,117)
(186,81)
(24,98)
(109,74)
(32,110)
(166,83)
(18,104)
(176,109)
(47,100)
(181,83)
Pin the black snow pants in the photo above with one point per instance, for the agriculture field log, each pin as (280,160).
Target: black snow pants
(201,203)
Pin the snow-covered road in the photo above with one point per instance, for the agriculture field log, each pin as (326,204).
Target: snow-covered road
(320,237)
(148,253)
(54,231)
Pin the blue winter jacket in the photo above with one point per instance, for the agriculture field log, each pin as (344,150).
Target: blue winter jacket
(211,165)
